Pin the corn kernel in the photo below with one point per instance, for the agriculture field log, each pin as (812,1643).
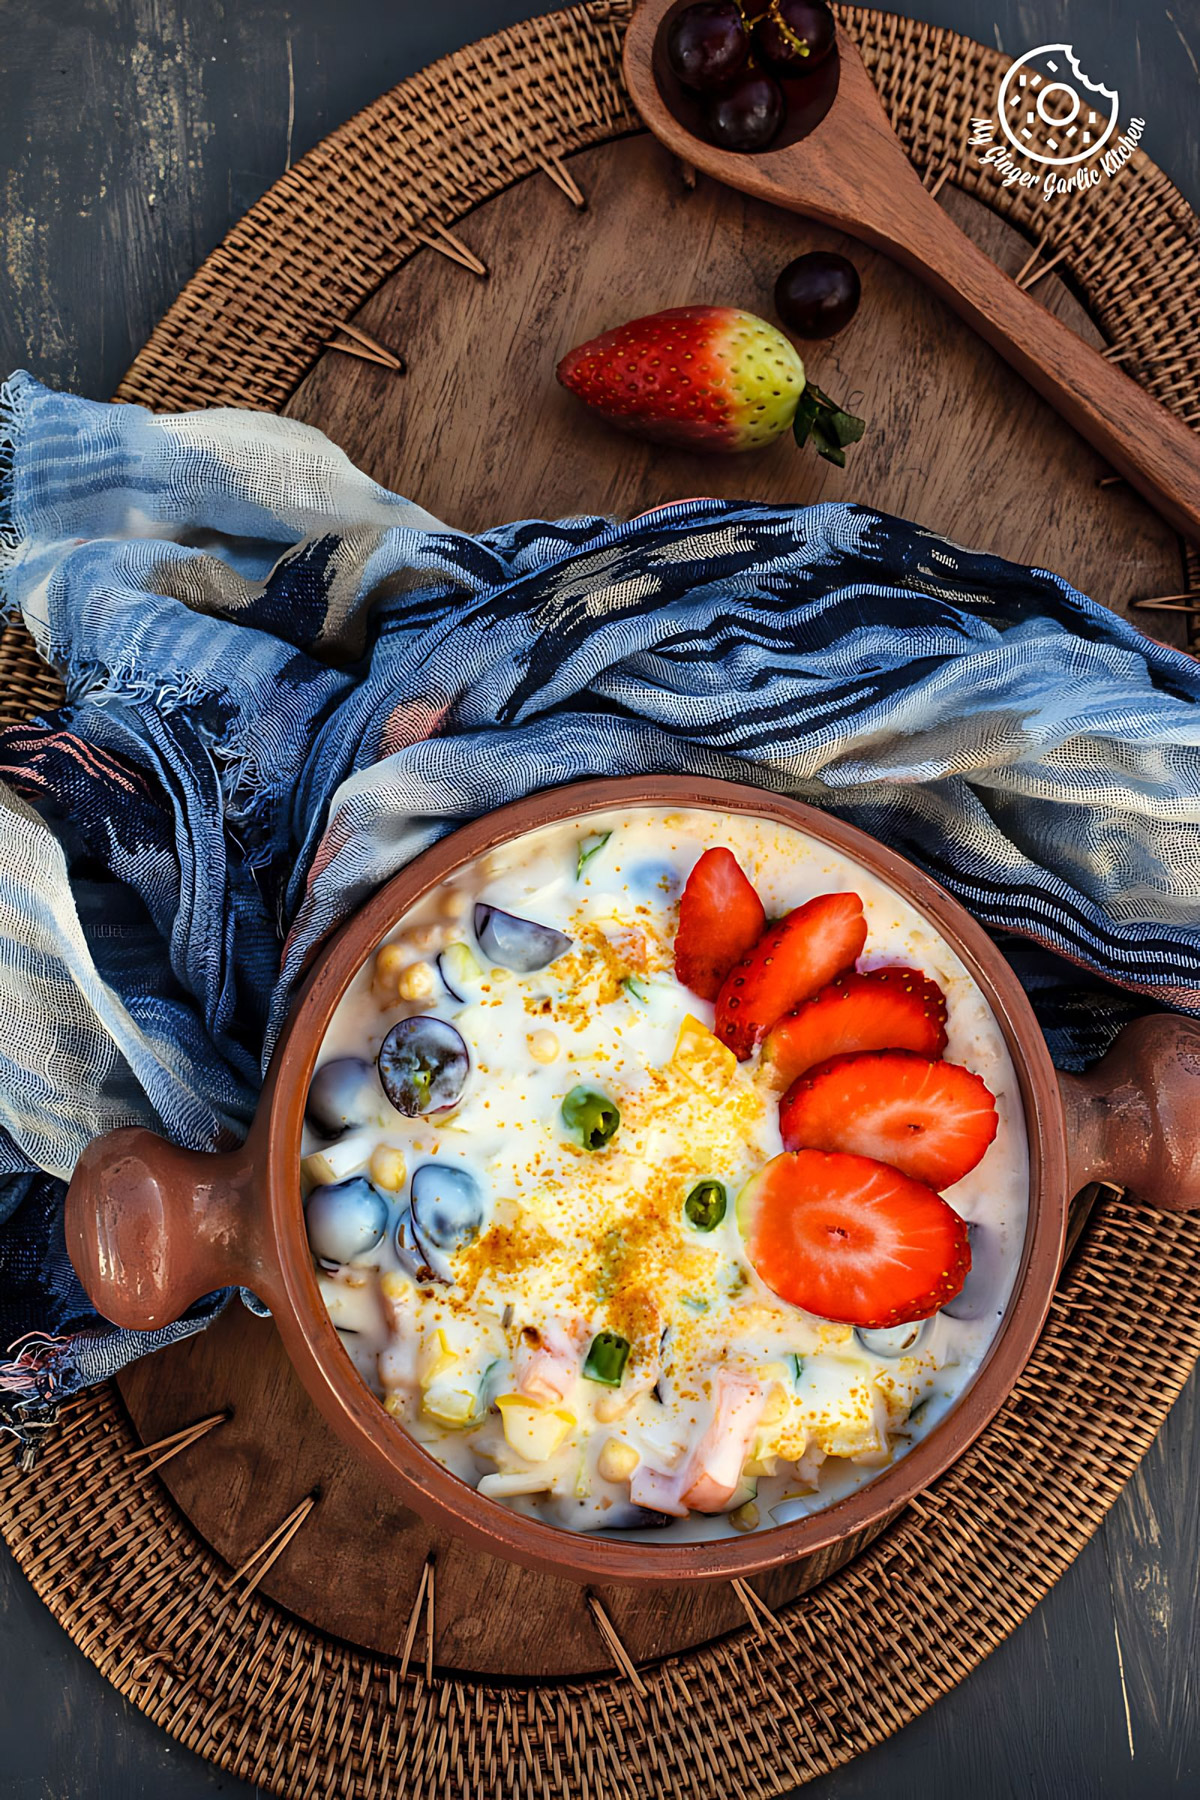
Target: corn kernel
(543,1046)
(609,1407)
(387,1167)
(745,1518)
(417,982)
(617,1460)
(426,936)
(394,1404)
(394,1284)
(389,960)
(455,904)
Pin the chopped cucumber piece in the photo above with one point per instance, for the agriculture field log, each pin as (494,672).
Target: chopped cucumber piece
(606,1359)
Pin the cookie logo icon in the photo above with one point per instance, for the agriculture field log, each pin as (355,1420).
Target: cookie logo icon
(1051,112)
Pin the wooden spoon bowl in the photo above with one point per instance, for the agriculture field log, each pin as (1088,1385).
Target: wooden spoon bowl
(844,166)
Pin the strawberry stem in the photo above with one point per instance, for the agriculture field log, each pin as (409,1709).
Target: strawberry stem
(829,426)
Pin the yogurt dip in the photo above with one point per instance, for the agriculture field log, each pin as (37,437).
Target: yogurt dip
(544,1280)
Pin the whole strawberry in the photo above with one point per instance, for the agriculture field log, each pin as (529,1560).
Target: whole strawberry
(705,378)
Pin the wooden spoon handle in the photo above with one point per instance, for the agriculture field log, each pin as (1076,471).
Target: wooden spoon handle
(152,1228)
(1134,1119)
(1155,451)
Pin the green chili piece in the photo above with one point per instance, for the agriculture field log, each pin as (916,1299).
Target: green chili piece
(705,1205)
(605,1361)
(797,1367)
(592,1116)
(636,988)
(918,1411)
(589,847)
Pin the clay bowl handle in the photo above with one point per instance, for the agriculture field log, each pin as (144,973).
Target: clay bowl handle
(152,1228)
(1134,1119)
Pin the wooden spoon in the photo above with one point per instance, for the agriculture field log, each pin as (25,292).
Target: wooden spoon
(851,171)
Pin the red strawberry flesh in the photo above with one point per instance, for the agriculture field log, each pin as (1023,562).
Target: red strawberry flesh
(850,1239)
(794,959)
(882,1009)
(721,918)
(931,1120)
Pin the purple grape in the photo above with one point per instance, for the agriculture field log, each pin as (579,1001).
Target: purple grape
(633,1518)
(748,115)
(979,1294)
(343,1092)
(447,1207)
(794,36)
(818,294)
(423,1065)
(345,1220)
(708,44)
(517,944)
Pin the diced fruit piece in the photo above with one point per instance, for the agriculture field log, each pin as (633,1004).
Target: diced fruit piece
(796,957)
(517,944)
(507,1487)
(591,1117)
(747,114)
(460,971)
(345,1221)
(885,1009)
(709,1477)
(447,1206)
(704,1207)
(721,918)
(930,1120)
(339,1160)
(534,1432)
(546,1369)
(708,44)
(437,1359)
(343,1092)
(794,36)
(703,1058)
(423,1065)
(852,1240)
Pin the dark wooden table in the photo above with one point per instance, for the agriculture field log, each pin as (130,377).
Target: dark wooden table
(132,134)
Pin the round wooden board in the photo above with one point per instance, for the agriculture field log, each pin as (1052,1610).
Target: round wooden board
(479,431)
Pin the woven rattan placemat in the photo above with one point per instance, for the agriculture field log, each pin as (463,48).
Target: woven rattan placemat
(260,1692)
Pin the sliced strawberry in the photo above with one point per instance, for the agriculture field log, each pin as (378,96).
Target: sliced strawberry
(720,919)
(930,1120)
(851,1239)
(798,955)
(886,1009)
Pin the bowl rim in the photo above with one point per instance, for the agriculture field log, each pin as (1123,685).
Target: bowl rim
(324,1365)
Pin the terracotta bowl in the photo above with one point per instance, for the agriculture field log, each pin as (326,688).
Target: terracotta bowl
(151,1228)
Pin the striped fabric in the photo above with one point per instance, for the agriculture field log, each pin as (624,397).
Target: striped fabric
(283,682)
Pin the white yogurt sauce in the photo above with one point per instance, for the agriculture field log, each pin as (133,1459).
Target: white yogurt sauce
(487,1372)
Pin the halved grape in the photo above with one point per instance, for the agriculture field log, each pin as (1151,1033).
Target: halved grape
(423,1065)
(343,1092)
(447,1206)
(346,1220)
(891,1340)
(517,944)
(980,1292)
